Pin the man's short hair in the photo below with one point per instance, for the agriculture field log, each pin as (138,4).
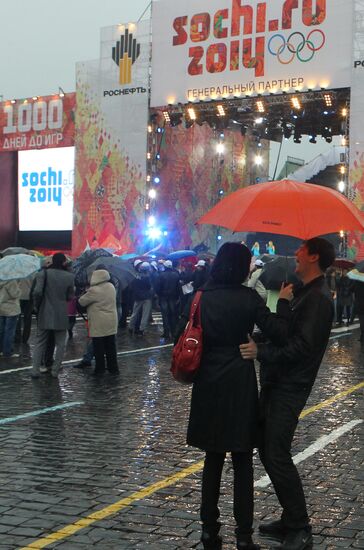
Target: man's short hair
(58,260)
(324,249)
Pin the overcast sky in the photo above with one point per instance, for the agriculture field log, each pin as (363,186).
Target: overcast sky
(41,40)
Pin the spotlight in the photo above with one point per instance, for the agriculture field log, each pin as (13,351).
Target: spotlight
(221,192)
(341,186)
(35,98)
(13,101)
(296,103)
(260,106)
(219,237)
(157,157)
(328,100)
(192,113)
(258,160)
(154,233)
(160,130)
(344,112)
(259,120)
(222,135)
(220,110)
(150,129)
(167,118)
(157,179)
(220,148)
(152,194)
(61,92)
(342,170)
(151,221)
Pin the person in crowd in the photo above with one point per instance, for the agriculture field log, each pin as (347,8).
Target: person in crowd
(270,248)
(255,249)
(185,278)
(200,275)
(54,287)
(26,307)
(254,281)
(72,314)
(10,293)
(287,375)
(359,307)
(224,406)
(344,297)
(169,294)
(143,293)
(100,301)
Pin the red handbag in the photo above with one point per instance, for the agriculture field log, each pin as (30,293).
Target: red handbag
(186,355)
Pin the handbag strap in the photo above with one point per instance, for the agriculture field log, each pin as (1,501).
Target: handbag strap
(45,283)
(195,311)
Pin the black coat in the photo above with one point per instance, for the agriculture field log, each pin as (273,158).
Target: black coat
(295,365)
(224,405)
(359,297)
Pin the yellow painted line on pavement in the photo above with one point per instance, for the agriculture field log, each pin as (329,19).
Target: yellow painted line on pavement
(328,402)
(73,528)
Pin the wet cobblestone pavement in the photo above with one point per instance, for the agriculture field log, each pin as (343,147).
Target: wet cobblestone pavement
(82,475)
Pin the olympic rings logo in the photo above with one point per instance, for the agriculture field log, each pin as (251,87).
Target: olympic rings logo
(295,48)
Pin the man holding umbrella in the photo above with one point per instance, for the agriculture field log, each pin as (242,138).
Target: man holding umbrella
(287,376)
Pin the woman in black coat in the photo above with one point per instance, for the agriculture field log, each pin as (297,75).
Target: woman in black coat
(224,406)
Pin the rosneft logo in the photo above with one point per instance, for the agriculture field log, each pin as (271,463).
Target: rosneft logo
(125,53)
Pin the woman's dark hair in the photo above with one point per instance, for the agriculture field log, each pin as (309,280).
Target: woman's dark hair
(232,264)
(324,249)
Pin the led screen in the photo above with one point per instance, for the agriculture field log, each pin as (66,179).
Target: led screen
(45,189)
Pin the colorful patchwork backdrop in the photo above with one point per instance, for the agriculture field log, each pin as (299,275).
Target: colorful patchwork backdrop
(192,174)
(111,144)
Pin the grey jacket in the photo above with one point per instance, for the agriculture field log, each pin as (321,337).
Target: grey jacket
(59,289)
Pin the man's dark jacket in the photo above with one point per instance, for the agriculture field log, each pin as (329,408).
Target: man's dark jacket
(169,285)
(295,365)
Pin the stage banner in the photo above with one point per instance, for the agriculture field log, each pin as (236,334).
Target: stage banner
(355,242)
(37,123)
(111,141)
(210,49)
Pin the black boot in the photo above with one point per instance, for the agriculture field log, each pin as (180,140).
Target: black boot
(210,537)
(273,530)
(300,539)
(245,542)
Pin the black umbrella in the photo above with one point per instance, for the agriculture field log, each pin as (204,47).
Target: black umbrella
(120,269)
(280,270)
(79,266)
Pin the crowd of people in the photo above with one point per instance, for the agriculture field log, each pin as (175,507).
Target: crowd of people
(227,413)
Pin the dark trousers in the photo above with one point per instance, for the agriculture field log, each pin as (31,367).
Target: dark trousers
(361,321)
(340,311)
(280,410)
(105,346)
(243,490)
(25,318)
(169,311)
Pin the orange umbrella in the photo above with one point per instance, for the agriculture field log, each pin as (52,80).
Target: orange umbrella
(286,207)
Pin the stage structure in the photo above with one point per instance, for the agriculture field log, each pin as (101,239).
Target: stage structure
(264,71)
(111,140)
